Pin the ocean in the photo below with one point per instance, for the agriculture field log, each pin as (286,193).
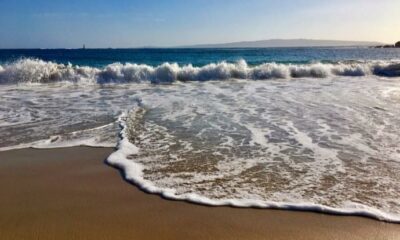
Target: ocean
(314,129)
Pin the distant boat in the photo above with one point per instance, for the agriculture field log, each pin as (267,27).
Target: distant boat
(84,47)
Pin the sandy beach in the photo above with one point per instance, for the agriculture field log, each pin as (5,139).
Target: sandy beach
(71,194)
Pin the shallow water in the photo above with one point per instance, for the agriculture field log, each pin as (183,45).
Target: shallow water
(332,142)
(311,136)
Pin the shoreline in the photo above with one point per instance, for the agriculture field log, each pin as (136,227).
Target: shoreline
(70,193)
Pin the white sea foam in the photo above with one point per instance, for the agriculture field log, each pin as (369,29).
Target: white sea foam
(124,159)
(295,145)
(329,145)
(38,71)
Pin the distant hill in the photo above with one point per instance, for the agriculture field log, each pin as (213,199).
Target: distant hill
(286,43)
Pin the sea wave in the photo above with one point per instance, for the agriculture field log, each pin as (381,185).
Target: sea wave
(39,71)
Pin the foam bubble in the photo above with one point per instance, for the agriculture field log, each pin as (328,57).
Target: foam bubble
(128,154)
(302,145)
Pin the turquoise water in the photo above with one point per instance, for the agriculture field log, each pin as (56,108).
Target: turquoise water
(199,57)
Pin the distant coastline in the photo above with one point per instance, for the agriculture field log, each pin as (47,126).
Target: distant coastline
(271,43)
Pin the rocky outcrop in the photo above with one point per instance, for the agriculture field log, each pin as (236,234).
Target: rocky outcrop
(397,45)
(385,46)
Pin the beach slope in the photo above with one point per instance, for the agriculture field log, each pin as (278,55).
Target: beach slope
(71,194)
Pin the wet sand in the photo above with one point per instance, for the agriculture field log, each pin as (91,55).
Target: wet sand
(71,194)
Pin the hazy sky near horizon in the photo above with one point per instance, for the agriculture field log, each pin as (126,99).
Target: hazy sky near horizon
(132,23)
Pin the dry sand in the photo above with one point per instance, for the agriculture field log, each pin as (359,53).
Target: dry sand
(71,194)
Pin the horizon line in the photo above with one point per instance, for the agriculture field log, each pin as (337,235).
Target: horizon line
(199,45)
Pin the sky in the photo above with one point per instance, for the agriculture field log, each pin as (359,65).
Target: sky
(132,23)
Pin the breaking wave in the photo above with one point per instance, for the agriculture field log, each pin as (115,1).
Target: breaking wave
(39,71)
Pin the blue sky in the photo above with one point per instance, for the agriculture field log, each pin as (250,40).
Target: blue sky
(123,23)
